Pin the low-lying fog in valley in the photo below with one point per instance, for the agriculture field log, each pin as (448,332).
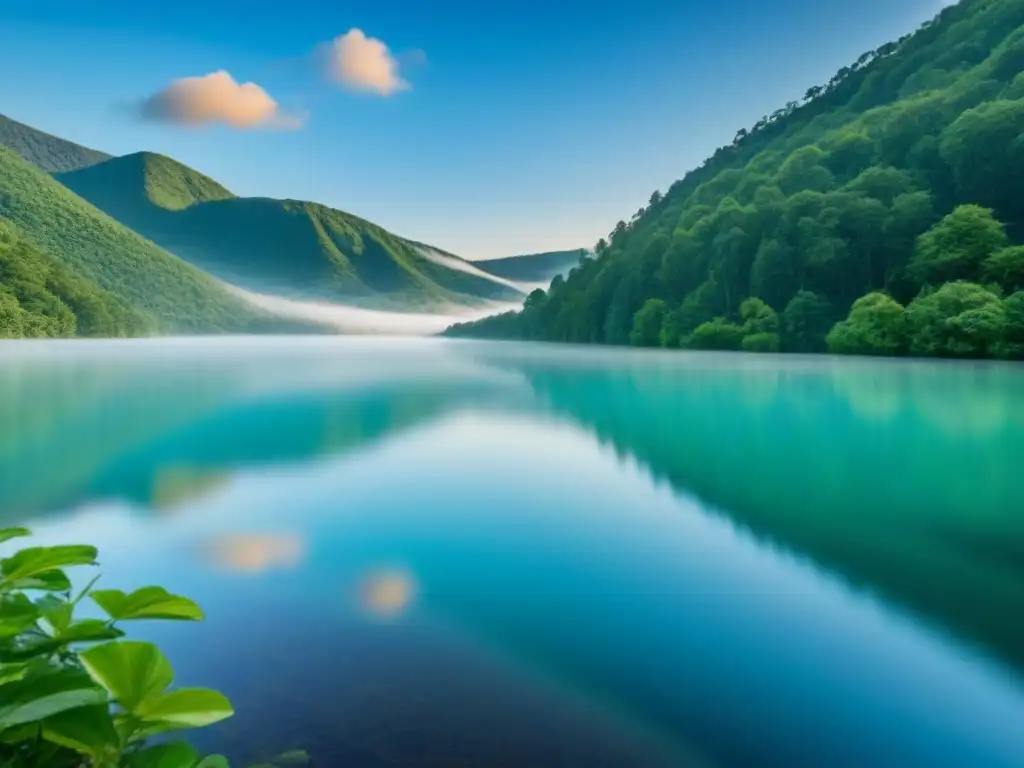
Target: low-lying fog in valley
(349,319)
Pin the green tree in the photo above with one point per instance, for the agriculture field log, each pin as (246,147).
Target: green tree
(985,151)
(647,324)
(959,319)
(806,321)
(876,326)
(955,248)
(1006,267)
(12,322)
(716,334)
(774,276)
(804,169)
(1012,344)
(761,342)
(758,317)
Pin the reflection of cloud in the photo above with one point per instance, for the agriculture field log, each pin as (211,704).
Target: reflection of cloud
(873,394)
(387,593)
(247,553)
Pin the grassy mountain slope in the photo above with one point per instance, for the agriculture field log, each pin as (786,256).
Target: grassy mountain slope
(825,202)
(533,267)
(289,247)
(50,153)
(40,297)
(174,295)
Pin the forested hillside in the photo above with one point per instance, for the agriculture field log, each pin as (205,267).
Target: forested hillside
(48,152)
(40,297)
(881,214)
(287,247)
(172,295)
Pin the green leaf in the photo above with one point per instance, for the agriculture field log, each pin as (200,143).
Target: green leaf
(88,730)
(50,581)
(186,708)
(89,631)
(174,754)
(86,631)
(57,612)
(213,761)
(146,603)
(39,560)
(17,613)
(36,697)
(131,671)
(11,673)
(6,534)
(19,734)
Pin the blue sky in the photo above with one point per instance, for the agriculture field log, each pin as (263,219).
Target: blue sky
(528,125)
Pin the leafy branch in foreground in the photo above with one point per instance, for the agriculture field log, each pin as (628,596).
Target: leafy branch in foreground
(72,692)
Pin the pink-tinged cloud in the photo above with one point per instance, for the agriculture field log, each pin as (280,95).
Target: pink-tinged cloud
(216,99)
(362,63)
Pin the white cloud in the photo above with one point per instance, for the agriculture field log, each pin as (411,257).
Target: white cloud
(216,98)
(362,63)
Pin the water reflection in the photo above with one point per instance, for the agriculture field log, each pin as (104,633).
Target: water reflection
(704,619)
(387,593)
(252,553)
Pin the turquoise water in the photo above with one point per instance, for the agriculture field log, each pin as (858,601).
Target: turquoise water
(432,553)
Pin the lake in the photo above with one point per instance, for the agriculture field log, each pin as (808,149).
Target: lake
(445,553)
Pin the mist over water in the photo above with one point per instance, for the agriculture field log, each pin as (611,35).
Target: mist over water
(349,319)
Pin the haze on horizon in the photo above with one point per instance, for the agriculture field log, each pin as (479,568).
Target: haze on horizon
(509,130)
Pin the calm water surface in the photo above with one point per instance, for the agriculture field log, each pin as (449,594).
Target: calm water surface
(424,553)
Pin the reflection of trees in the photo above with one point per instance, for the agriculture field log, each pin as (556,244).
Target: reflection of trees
(920,501)
(75,433)
(60,423)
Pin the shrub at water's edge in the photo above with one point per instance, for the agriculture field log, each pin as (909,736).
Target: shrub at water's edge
(73,693)
(848,213)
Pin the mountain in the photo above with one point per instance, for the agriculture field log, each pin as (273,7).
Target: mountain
(169,294)
(50,153)
(534,268)
(289,248)
(891,196)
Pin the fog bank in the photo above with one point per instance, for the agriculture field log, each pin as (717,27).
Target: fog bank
(348,319)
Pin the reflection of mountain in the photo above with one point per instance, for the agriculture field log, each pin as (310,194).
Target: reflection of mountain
(903,479)
(273,431)
(59,425)
(159,432)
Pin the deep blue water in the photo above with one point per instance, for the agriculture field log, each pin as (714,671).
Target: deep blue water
(419,553)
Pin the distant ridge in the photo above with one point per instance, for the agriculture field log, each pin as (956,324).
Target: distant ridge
(292,248)
(534,267)
(47,152)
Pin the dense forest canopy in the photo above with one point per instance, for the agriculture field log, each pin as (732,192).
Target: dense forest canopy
(882,213)
(46,151)
(40,297)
